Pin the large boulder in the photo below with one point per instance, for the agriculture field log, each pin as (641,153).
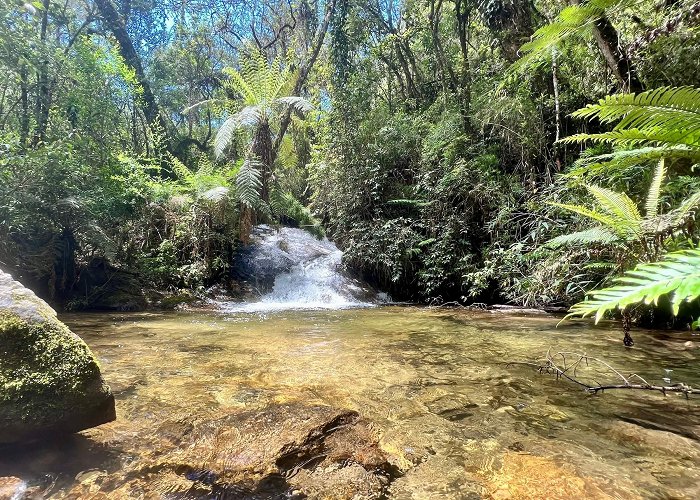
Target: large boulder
(50,382)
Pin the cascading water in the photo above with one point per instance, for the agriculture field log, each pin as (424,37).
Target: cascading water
(303,271)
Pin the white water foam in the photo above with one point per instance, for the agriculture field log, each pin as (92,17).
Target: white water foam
(314,280)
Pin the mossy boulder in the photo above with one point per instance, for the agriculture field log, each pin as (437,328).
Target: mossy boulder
(50,382)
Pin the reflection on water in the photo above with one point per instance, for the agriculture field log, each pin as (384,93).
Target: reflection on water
(436,385)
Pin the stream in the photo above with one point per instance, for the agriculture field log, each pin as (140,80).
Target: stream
(447,405)
(434,383)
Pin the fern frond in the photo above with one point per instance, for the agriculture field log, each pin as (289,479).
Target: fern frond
(201,104)
(620,160)
(573,21)
(249,183)
(677,217)
(239,85)
(594,235)
(298,104)
(215,194)
(181,171)
(606,220)
(652,203)
(204,166)
(678,273)
(249,116)
(672,108)
(618,205)
(659,123)
(653,136)
(224,135)
(601,266)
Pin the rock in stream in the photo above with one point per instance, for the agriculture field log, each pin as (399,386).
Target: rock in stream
(282,451)
(50,382)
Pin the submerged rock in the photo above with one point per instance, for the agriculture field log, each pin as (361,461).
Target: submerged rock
(50,382)
(262,260)
(282,451)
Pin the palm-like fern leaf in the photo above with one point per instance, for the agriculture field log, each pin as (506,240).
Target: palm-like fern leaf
(573,21)
(665,107)
(594,235)
(618,213)
(298,104)
(676,218)
(618,205)
(635,137)
(249,116)
(659,123)
(678,273)
(248,183)
(620,160)
(216,194)
(241,86)
(652,203)
(180,169)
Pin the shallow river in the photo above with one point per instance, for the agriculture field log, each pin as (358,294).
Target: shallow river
(457,418)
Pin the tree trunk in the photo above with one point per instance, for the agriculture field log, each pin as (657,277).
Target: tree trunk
(608,41)
(42,100)
(303,75)
(115,24)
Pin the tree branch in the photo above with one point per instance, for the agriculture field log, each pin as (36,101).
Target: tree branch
(559,364)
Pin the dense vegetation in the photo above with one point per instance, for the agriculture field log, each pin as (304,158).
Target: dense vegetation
(461,151)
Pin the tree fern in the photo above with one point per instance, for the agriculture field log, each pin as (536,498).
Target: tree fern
(260,86)
(620,221)
(678,274)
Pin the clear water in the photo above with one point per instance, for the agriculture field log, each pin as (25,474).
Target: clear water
(436,384)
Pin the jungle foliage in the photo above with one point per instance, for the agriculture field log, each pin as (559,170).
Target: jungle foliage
(461,151)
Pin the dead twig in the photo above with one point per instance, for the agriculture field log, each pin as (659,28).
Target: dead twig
(565,365)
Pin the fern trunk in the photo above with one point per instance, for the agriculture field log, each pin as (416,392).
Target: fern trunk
(262,151)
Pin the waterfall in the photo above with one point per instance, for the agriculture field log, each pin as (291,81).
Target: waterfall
(291,269)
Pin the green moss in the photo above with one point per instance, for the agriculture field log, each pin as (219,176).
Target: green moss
(173,301)
(46,372)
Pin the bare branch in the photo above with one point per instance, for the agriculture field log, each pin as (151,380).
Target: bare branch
(565,364)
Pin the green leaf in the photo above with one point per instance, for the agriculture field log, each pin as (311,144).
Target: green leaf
(678,273)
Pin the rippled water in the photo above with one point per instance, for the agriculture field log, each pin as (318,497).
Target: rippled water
(435,383)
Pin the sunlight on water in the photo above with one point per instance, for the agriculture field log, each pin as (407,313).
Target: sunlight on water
(436,385)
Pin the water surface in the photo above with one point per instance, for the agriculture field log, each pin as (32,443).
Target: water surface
(437,384)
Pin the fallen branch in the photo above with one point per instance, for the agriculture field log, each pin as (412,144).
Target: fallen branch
(559,365)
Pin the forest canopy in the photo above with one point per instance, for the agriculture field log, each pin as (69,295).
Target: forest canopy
(457,151)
